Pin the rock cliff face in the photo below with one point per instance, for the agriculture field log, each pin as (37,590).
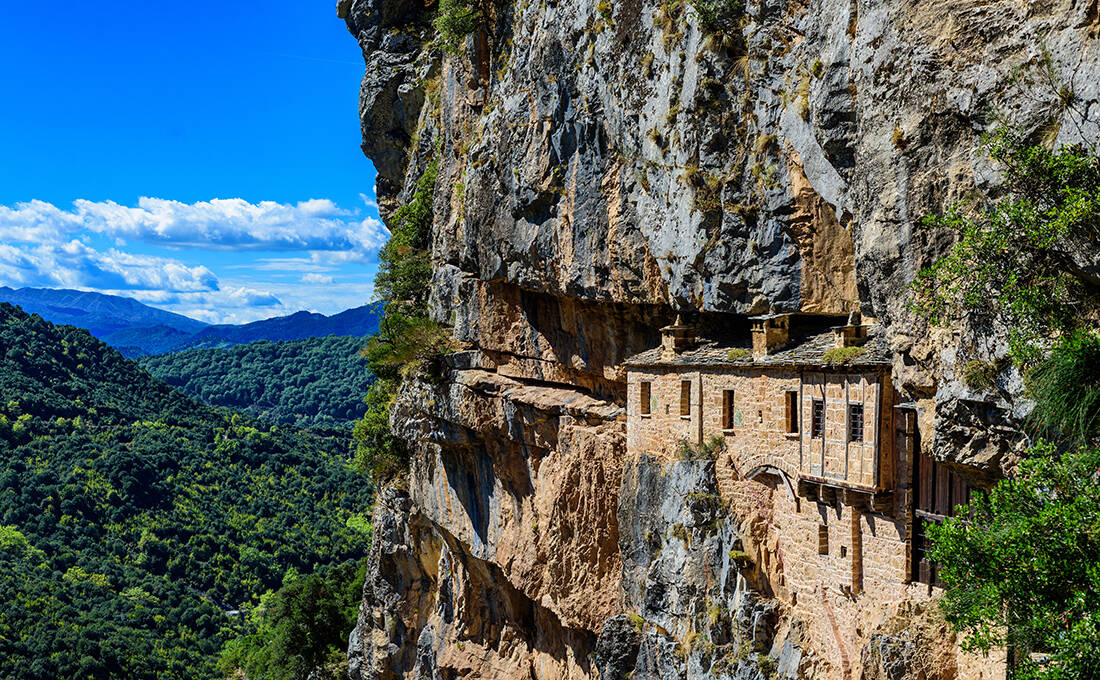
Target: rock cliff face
(604,165)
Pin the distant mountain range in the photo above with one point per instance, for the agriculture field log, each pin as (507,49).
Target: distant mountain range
(136,329)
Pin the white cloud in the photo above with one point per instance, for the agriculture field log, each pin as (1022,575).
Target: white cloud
(91,247)
(73,264)
(220,224)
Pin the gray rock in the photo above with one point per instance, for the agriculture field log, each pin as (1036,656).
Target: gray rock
(616,652)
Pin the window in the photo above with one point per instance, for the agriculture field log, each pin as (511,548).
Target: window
(685,398)
(792,411)
(644,398)
(855,422)
(727,409)
(822,539)
(817,418)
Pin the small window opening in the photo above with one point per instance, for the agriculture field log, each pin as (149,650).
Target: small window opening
(822,539)
(843,551)
(685,397)
(855,422)
(727,409)
(817,418)
(644,398)
(792,412)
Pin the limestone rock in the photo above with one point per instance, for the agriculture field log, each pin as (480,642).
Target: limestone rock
(603,166)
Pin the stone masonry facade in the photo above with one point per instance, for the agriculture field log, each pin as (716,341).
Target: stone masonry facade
(813,459)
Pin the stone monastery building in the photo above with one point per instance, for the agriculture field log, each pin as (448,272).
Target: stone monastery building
(815,443)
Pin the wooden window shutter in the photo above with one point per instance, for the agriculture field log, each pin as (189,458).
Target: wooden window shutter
(644,398)
(727,409)
(792,411)
(685,397)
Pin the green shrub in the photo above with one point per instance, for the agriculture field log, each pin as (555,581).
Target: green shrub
(768,667)
(1066,390)
(716,15)
(455,20)
(408,341)
(740,558)
(842,355)
(708,450)
(1015,260)
(739,354)
(979,375)
(405,266)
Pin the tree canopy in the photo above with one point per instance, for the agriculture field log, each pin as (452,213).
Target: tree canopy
(315,382)
(1021,564)
(139,528)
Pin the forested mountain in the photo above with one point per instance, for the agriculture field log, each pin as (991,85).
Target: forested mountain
(136,522)
(138,330)
(101,314)
(360,321)
(310,382)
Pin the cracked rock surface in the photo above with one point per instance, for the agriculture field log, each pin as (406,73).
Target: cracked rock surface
(602,166)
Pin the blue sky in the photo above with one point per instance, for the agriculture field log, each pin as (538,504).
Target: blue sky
(202,157)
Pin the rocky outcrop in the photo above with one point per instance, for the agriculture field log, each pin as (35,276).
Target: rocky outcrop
(604,166)
(687,581)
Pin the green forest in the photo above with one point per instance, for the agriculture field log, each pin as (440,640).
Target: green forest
(140,531)
(315,382)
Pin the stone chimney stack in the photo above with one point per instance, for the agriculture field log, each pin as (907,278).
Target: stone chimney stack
(770,333)
(676,338)
(853,334)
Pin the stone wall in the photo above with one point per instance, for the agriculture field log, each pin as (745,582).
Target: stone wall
(759,435)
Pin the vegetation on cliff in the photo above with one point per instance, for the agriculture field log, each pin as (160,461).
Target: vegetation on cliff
(140,527)
(408,339)
(316,382)
(1022,566)
(1022,563)
(457,19)
(1019,260)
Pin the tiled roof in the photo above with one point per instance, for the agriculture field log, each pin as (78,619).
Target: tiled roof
(806,351)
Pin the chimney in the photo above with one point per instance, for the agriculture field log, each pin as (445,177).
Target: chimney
(676,338)
(770,333)
(853,334)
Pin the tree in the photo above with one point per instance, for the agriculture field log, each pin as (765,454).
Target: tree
(1024,260)
(1022,566)
(455,20)
(303,627)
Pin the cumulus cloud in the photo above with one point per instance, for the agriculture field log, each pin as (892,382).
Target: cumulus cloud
(288,255)
(73,264)
(222,224)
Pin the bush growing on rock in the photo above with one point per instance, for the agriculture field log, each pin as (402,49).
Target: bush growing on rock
(408,340)
(1020,564)
(1022,260)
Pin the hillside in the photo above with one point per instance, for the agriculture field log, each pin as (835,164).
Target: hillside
(138,330)
(310,382)
(359,321)
(135,521)
(100,314)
